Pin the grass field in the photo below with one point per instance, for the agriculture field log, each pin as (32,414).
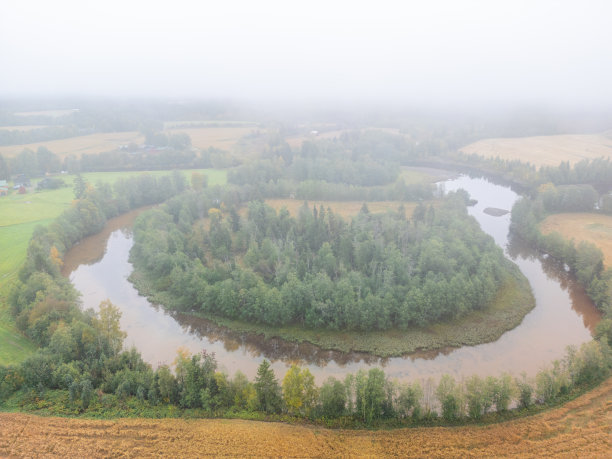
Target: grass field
(19,215)
(545,150)
(589,227)
(580,428)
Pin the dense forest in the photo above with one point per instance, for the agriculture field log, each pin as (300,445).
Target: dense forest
(316,270)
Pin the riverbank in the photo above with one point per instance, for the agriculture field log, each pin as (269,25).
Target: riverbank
(513,301)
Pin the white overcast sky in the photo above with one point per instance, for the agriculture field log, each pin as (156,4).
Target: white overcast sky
(404,51)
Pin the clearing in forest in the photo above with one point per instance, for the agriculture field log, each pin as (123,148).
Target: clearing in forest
(344,208)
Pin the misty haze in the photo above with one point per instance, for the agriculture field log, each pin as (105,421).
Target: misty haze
(371,225)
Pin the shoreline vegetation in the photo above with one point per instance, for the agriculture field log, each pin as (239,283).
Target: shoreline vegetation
(513,301)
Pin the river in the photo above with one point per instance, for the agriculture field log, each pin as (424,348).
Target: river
(564,315)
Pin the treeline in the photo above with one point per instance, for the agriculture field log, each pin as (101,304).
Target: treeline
(594,172)
(42,299)
(359,158)
(41,134)
(272,179)
(31,163)
(315,270)
(84,371)
(151,159)
(42,161)
(584,259)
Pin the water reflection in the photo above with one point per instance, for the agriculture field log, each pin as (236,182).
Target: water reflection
(559,272)
(563,314)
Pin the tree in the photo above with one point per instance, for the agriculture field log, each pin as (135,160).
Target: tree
(267,388)
(299,391)
(166,384)
(371,395)
(198,181)
(107,323)
(62,343)
(408,400)
(332,396)
(80,186)
(448,395)
(4,170)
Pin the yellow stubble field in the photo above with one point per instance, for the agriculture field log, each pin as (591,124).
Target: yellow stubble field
(589,227)
(225,138)
(545,150)
(85,144)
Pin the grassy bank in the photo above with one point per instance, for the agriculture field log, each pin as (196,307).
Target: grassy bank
(513,301)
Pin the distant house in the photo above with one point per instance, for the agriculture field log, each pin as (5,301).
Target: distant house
(21,180)
(4,191)
(3,184)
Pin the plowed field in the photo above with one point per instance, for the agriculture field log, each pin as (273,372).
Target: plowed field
(581,428)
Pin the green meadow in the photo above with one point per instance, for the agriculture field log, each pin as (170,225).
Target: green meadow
(19,215)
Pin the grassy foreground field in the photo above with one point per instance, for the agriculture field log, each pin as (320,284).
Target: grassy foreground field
(545,150)
(580,428)
(589,227)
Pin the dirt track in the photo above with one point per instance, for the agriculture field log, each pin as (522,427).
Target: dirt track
(581,428)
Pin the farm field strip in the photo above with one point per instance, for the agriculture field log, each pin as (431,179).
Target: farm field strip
(28,127)
(544,150)
(580,428)
(87,144)
(225,138)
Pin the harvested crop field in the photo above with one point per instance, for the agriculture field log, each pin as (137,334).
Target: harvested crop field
(23,128)
(580,428)
(545,150)
(86,144)
(589,227)
(224,138)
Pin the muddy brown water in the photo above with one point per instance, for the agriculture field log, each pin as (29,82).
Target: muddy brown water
(99,269)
